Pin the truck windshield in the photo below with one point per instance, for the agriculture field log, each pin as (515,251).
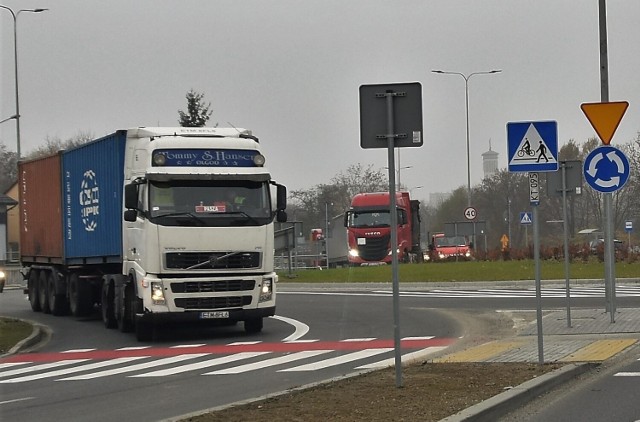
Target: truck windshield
(369,219)
(209,203)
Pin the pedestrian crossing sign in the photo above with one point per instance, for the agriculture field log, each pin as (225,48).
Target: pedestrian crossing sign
(526,218)
(532,146)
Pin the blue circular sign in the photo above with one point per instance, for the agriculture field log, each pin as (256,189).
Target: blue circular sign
(606,169)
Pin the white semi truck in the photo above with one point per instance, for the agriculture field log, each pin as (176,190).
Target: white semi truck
(152,225)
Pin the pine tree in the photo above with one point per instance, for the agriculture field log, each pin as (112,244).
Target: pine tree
(197,113)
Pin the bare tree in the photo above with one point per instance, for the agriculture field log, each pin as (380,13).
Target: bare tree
(52,145)
(8,167)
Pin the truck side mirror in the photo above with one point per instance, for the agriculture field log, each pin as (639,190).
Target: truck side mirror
(281,195)
(346,219)
(131,197)
(281,216)
(130,215)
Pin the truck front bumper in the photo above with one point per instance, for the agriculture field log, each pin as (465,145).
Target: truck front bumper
(235,315)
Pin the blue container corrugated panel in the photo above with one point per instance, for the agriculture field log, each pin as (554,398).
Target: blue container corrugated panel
(92,178)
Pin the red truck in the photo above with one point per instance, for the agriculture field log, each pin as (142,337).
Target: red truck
(448,248)
(368,224)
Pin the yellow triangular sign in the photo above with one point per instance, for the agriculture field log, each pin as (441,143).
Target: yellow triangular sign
(605,117)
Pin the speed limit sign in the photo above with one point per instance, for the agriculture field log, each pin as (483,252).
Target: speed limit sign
(470,213)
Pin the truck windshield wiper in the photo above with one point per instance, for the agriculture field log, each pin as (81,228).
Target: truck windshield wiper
(183,214)
(244,214)
(211,261)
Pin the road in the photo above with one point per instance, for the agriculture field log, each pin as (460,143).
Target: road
(86,369)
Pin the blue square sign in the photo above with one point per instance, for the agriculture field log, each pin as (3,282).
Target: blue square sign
(532,146)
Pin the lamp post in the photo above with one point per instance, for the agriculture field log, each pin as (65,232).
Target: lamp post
(414,188)
(398,185)
(466,90)
(326,233)
(9,118)
(15,62)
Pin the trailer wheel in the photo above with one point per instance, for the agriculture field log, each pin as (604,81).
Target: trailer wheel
(253,325)
(107,303)
(43,292)
(127,315)
(80,300)
(57,301)
(34,295)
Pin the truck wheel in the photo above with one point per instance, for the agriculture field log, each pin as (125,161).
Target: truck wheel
(253,325)
(57,302)
(144,330)
(34,295)
(80,300)
(43,291)
(127,314)
(107,303)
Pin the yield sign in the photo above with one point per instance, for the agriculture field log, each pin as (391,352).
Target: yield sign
(605,117)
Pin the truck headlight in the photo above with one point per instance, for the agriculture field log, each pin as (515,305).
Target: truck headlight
(157,293)
(2,275)
(353,252)
(266,291)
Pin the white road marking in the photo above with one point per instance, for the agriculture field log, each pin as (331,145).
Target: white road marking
(140,366)
(41,367)
(301,329)
(350,357)
(269,362)
(200,365)
(71,370)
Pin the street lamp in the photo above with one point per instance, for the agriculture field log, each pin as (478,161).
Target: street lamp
(15,116)
(466,90)
(398,184)
(15,62)
(414,188)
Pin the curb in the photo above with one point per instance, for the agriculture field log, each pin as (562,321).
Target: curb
(39,334)
(498,406)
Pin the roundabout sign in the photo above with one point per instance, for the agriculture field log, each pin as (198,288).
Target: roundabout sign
(606,169)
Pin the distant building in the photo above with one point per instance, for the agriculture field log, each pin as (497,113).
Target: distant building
(490,162)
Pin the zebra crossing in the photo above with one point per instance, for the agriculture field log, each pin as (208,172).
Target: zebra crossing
(547,292)
(212,360)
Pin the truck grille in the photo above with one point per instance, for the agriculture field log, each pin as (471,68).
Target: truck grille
(376,248)
(208,260)
(213,302)
(213,286)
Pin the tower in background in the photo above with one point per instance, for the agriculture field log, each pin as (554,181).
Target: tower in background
(490,162)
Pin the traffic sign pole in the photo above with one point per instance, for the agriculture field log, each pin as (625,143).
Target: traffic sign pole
(566,242)
(536,258)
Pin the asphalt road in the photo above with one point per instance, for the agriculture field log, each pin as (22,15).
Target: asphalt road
(319,334)
(88,370)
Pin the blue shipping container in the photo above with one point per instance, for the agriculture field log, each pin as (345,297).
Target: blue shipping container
(92,178)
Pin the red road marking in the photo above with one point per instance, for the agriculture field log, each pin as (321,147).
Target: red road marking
(230,349)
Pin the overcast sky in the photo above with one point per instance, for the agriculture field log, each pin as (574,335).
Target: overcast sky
(290,70)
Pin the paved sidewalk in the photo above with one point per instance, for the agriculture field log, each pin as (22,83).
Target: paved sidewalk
(592,337)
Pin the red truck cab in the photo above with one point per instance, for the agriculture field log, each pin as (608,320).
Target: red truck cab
(368,223)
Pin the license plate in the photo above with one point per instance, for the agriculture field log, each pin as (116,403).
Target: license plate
(214,315)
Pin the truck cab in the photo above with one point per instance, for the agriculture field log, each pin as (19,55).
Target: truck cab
(368,224)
